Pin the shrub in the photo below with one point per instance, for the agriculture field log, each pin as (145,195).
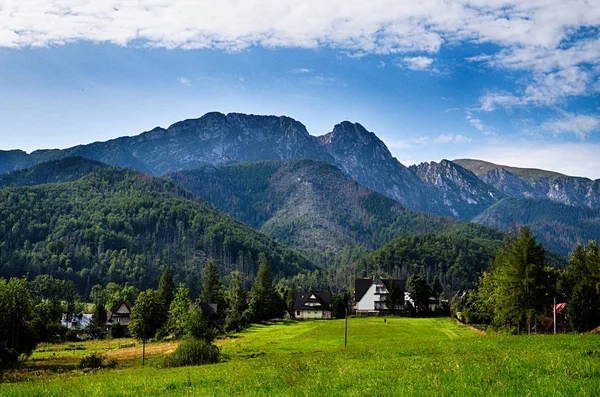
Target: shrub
(117,331)
(193,352)
(8,357)
(72,335)
(93,360)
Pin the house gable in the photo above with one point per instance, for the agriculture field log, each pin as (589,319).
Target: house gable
(370,294)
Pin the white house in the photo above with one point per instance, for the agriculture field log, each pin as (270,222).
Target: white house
(313,305)
(370,294)
(79,321)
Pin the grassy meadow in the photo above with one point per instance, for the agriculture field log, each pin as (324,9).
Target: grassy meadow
(403,356)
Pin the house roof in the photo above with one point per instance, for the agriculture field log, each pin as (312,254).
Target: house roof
(208,308)
(362,285)
(304,298)
(124,309)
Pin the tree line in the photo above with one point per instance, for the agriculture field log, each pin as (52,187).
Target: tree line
(518,291)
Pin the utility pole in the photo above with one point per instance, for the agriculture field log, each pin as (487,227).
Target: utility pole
(554,314)
(144,346)
(346,330)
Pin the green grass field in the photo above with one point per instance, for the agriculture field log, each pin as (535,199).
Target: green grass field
(432,357)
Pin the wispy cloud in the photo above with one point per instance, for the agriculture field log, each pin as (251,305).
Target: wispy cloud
(184,81)
(417,63)
(400,144)
(478,124)
(554,157)
(451,138)
(578,124)
(299,71)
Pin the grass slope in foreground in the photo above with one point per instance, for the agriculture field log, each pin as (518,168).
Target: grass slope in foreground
(401,357)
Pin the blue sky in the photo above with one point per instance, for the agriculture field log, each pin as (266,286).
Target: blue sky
(512,83)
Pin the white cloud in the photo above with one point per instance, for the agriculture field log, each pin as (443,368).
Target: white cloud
(417,63)
(580,125)
(478,124)
(378,26)
(491,101)
(400,144)
(546,39)
(450,138)
(184,81)
(552,157)
(299,71)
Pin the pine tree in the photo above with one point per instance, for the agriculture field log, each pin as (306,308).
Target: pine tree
(436,287)
(99,316)
(166,289)
(521,282)
(235,316)
(266,302)
(213,290)
(581,283)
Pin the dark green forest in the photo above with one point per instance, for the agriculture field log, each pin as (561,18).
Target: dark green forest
(118,225)
(559,227)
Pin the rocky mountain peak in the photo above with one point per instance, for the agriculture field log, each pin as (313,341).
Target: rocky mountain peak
(353,138)
(461,191)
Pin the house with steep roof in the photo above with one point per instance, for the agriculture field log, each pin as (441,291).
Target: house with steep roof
(371,295)
(120,316)
(313,305)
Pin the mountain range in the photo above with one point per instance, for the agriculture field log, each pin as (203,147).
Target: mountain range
(464,189)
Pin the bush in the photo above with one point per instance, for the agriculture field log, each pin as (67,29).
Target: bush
(8,357)
(193,352)
(93,360)
(92,332)
(117,331)
(72,335)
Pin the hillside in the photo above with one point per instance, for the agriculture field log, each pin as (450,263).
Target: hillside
(120,225)
(457,260)
(557,226)
(64,170)
(310,206)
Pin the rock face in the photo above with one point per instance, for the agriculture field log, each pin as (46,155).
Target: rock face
(363,156)
(539,184)
(460,191)
(12,160)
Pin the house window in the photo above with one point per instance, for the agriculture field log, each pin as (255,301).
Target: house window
(297,312)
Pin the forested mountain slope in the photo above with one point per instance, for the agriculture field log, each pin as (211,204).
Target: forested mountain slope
(557,226)
(123,226)
(64,170)
(311,206)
